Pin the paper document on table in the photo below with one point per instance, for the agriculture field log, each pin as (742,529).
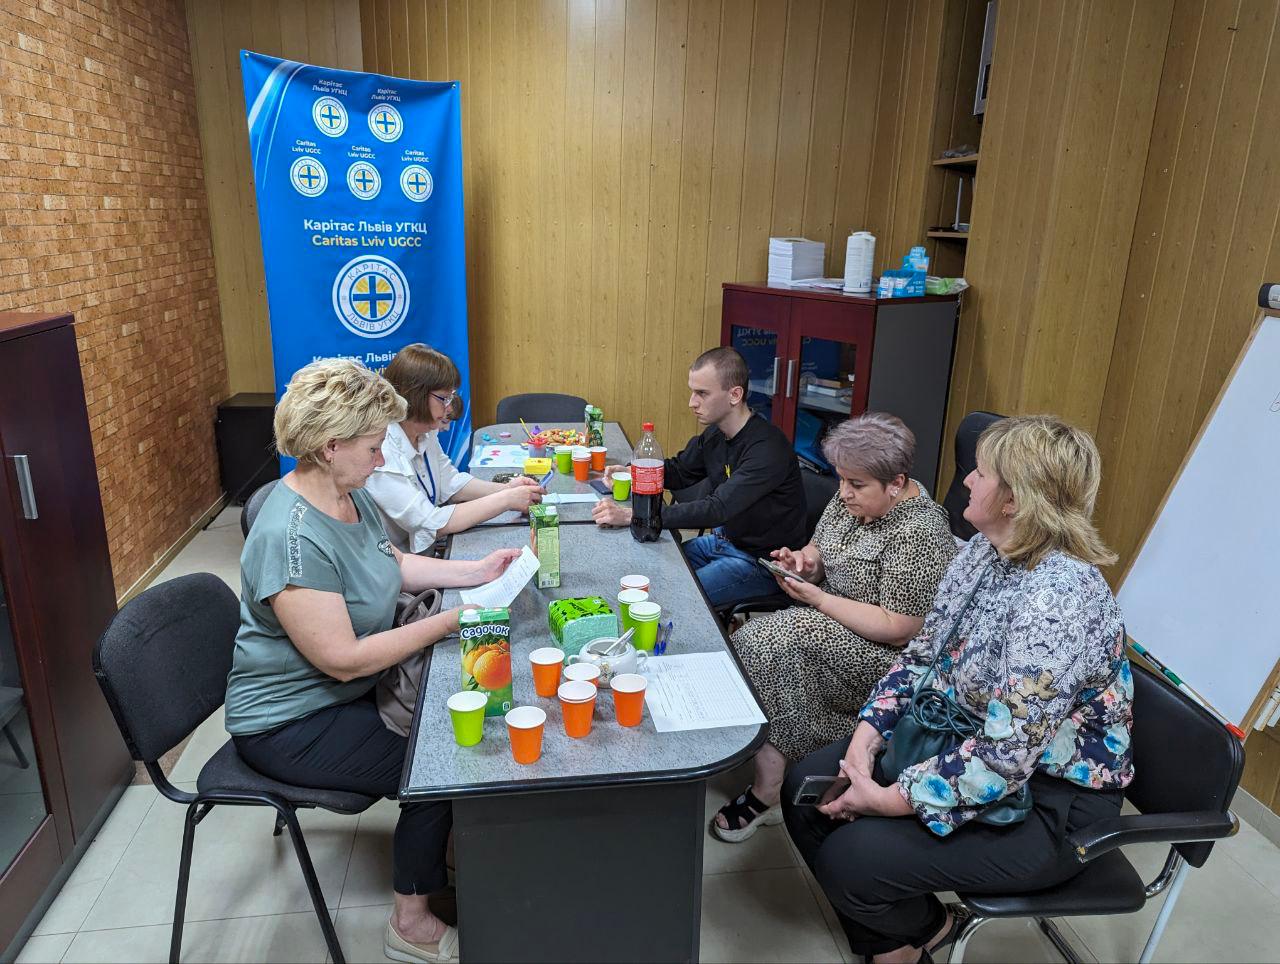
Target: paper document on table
(500,593)
(698,691)
(566,498)
(498,456)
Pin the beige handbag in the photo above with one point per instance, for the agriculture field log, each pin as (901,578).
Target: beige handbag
(396,692)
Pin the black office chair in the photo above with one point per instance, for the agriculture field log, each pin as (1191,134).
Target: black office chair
(253,504)
(1187,767)
(818,491)
(957,497)
(162,665)
(541,407)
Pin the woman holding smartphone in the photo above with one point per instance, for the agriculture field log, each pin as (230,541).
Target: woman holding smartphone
(862,586)
(1027,639)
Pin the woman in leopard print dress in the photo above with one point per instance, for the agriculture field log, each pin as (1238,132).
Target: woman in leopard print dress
(869,575)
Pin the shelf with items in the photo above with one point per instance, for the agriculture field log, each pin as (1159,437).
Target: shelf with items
(964,161)
(817,358)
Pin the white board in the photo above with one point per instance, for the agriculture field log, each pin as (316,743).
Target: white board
(1203,593)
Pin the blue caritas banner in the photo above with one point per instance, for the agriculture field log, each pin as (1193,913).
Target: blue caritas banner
(359,185)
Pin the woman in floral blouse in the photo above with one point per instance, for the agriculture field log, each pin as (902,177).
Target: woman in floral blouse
(1038,658)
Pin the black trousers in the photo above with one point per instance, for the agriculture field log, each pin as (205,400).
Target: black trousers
(347,747)
(881,873)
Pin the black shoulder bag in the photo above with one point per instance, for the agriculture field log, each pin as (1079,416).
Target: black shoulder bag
(935,723)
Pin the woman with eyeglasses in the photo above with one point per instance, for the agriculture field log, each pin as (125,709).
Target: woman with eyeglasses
(420,493)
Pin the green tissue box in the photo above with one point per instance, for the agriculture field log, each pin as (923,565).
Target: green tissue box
(575,622)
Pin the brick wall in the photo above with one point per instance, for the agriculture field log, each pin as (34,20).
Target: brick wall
(103,213)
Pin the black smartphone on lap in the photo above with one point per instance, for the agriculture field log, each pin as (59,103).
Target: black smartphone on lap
(818,791)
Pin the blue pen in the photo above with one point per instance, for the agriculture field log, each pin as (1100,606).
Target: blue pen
(546,479)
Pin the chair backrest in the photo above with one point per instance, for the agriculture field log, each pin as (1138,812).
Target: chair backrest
(253,504)
(163,661)
(818,490)
(957,497)
(541,407)
(1183,757)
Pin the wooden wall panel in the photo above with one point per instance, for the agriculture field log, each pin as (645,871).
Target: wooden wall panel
(1063,151)
(325,32)
(623,159)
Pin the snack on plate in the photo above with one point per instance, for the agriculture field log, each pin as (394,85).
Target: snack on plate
(557,436)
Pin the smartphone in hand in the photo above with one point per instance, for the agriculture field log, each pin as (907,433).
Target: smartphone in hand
(777,570)
(601,486)
(819,791)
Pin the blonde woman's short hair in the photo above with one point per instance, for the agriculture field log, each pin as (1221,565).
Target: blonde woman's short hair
(333,398)
(1053,470)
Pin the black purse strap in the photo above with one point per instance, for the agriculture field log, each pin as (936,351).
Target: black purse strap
(933,709)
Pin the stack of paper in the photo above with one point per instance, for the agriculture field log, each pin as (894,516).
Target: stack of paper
(791,259)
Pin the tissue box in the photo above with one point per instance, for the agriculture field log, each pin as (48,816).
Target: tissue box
(901,283)
(537,467)
(575,622)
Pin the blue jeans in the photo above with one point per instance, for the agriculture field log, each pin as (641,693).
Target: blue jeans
(728,575)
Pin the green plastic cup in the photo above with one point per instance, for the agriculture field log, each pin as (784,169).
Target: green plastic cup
(621,486)
(625,598)
(467,712)
(644,617)
(564,459)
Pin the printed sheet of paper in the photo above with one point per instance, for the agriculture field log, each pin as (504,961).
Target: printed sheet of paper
(698,691)
(504,589)
(498,457)
(565,498)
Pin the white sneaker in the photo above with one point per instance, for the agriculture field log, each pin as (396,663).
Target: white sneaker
(442,951)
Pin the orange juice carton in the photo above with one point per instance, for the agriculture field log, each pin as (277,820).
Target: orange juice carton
(485,635)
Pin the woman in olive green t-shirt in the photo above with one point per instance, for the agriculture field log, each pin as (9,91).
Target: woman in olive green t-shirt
(319,581)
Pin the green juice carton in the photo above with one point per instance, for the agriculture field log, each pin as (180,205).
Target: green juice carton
(485,635)
(544,539)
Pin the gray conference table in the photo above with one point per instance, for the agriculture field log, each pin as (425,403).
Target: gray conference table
(615,440)
(594,852)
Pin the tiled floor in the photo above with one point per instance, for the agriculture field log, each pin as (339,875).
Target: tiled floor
(759,903)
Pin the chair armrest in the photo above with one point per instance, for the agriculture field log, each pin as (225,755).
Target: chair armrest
(761,604)
(1184,827)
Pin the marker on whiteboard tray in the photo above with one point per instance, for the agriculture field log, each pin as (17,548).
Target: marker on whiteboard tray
(1176,680)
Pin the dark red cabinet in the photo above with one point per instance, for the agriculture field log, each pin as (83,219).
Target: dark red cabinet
(57,597)
(817,357)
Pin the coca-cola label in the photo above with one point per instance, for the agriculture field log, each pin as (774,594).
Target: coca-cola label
(646,477)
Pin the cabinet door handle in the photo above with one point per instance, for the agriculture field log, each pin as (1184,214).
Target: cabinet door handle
(25,488)
(791,370)
(773,382)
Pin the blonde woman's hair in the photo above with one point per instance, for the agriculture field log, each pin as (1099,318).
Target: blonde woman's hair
(333,398)
(1053,470)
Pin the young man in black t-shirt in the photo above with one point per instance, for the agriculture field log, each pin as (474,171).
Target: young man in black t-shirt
(756,503)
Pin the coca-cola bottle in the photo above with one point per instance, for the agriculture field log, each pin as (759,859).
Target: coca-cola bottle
(646,488)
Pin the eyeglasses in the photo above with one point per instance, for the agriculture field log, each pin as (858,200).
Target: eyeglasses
(445,400)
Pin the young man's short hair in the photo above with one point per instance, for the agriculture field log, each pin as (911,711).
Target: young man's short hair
(729,365)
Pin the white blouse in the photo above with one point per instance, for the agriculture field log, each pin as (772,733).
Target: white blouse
(413,487)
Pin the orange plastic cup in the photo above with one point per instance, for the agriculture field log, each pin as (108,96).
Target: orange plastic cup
(598,452)
(546,663)
(628,698)
(577,704)
(589,672)
(581,464)
(525,725)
